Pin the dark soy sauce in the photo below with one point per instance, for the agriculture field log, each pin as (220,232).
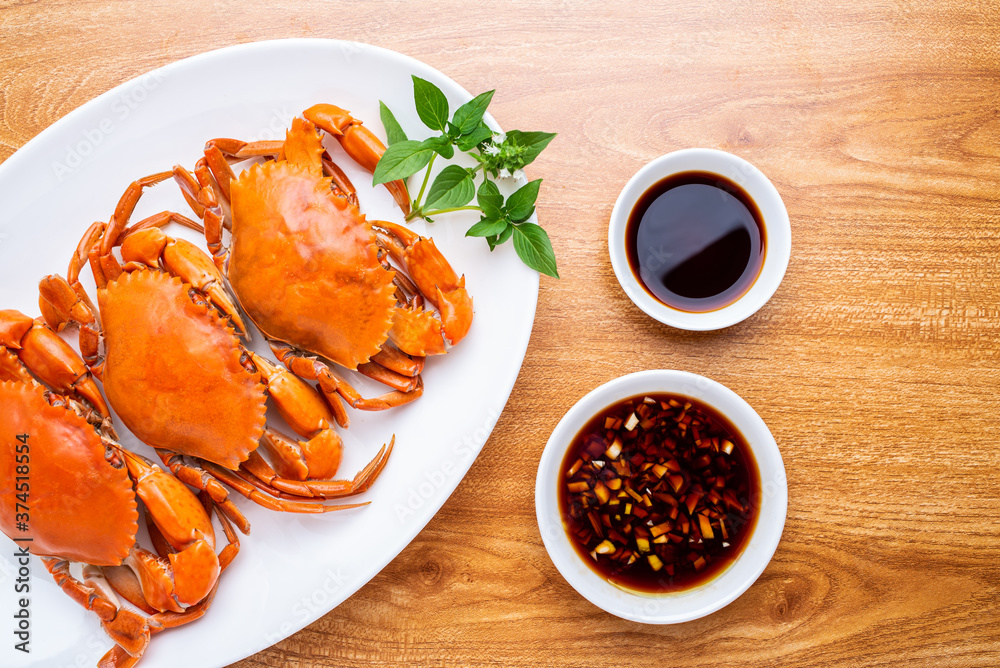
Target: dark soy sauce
(696,241)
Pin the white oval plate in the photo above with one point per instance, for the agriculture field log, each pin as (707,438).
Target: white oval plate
(292,569)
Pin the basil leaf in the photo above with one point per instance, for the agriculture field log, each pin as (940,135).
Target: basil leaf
(393,131)
(452,187)
(401,160)
(470,115)
(432,105)
(535,249)
(487,228)
(440,145)
(490,200)
(532,142)
(470,141)
(505,235)
(521,204)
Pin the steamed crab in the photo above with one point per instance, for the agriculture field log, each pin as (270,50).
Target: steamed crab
(177,374)
(313,274)
(68,494)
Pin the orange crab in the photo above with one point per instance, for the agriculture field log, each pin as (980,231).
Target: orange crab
(66,494)
(176,373)
(313,274)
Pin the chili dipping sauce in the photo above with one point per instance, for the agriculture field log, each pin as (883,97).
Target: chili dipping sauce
(659,493)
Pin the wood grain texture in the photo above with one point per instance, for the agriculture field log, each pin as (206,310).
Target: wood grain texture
(876,365)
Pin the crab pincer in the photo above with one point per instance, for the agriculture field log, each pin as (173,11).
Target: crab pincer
(358,142)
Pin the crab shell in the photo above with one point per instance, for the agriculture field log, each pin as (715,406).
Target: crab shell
(173,371)
(305,266)
(81,506)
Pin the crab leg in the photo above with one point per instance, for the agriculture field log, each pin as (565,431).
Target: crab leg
(270,498)
(340,179)
(330,384)
(206,484)
(200,195)
(82,256)
(215,165)
(117,657)
(162,219)
(302,146)
(232,547)
(244,150)
(335,389)
(85,313)
(126,205)
(386,376)
(211,475)
(359,142)
(396,360)
(119,221)
(324,489)
(128,629)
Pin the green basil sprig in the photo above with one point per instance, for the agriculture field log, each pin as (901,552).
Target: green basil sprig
(498,156)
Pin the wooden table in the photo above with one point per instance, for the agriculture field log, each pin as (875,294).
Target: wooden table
(875,364)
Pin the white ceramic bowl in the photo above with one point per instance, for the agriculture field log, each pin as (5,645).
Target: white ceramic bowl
(777,229)
(672,607)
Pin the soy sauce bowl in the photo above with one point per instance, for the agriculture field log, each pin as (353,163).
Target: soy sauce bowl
(708,597)
(777,232)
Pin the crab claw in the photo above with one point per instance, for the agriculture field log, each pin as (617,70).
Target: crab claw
(61,305)
(414,331)
(130,631)
(307,413)
(52,360)
(58,365)
(185,260)
(13,326)
(189,574)
(358,141)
